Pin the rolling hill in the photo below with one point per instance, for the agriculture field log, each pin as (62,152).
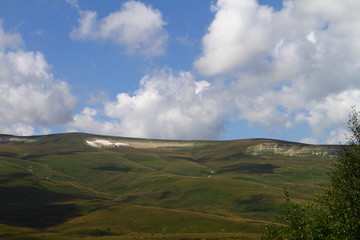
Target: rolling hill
(81,186)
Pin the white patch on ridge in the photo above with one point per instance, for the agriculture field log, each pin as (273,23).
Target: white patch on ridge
(98,143)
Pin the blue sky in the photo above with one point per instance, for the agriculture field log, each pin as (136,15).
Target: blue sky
(226,69)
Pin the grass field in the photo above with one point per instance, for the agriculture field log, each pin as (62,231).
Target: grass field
(60,187)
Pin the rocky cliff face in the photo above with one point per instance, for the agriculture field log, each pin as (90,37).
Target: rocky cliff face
(293,149)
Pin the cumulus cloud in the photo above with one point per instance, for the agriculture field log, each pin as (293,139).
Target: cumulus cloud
(167,105)
(237,36)
(300,64)
(136,27)
(29,94)
(91,120)
(296,65)
(331,111)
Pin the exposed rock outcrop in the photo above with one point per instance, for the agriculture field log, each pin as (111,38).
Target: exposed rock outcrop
(293,149)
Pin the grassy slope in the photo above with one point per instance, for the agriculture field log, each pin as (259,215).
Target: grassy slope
(55,186)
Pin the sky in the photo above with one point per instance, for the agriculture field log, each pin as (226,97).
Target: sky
(180,69)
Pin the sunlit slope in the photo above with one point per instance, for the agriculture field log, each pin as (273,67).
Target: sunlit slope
(76,183)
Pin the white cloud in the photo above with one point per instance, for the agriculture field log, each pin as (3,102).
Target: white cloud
(331,111)
(19,129)
(238,35)
(9,40)
(167,105)
(87,26)
(311,37)
(29,94)
(137,27)
(300,64)
(88,121)
(73,3)
(338,136)
(297,65)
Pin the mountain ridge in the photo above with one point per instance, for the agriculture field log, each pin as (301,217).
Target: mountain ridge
(217,186)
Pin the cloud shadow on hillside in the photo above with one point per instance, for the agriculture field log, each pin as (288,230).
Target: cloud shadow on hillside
(31,207)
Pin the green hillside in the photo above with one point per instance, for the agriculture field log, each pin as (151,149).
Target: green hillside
(81,186)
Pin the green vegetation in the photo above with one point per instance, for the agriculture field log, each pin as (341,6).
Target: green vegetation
(334,213)
(59,187)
